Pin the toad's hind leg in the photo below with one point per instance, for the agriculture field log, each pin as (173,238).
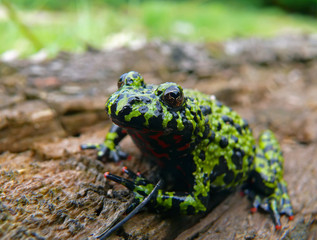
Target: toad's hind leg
(267,189)
(164,201)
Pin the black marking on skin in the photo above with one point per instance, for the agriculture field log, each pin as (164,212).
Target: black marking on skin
(227,119)
(197,130)
(142,182)
(175,204)
(266,140)
(190,210)
(128,95)
(242,152)
(287,201)
(121,96)
(238,127)
(134,99)
(113,108)
(223,142)
(141,192)
(235,139)
(260,156)
(175,115)
(212,136)
(267,178)
(207,130)
(204,200)
(206,178)
(261,165)
(202,155)
(268,148)
(156,113)
(137,121)
(143,109)
(158,106)
(245,124)
(238,177)
(159,93)
(126,110)
(219,126)
(229,177)
(188,126)
(273,160)
(205,110)
(129,81)
(237,158)
(222,167)
(195,116)
(172,124)
(135,75)
(156,122)
(219,104)
(146,100)
(250,160)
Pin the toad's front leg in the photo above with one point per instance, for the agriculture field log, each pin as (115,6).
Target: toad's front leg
(109,148)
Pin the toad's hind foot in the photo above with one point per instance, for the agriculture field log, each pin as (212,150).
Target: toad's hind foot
(277,204)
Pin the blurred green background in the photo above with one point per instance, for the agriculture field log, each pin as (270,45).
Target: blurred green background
(27,26)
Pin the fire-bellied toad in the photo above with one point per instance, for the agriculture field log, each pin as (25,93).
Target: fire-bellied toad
(202,147)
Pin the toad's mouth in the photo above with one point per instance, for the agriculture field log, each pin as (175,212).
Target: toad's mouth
(137,121)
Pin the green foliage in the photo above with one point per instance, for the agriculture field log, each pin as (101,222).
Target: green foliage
(85,22)
(56,5)
(303,6)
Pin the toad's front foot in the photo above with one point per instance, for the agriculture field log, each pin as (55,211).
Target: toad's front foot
(104,152)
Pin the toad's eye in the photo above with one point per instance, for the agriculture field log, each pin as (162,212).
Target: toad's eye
(121,80)
(173,96)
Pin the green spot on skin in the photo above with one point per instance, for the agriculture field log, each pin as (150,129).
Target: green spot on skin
(123,102)
(190,201)
(112,136)
(143,188)
(201,188)
(133,114)
(137,82)
(180,125)
(167,118)
(219,182)
(110,144)
(164,201)
(190,118)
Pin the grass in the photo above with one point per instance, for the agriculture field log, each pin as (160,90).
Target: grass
(73,29)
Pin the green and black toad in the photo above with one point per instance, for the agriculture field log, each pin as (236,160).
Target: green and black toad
(203,148)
